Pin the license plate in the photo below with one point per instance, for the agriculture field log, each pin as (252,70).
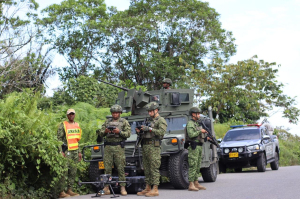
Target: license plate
(101,165)
(234,155)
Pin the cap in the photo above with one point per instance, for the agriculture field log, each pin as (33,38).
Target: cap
(70,111)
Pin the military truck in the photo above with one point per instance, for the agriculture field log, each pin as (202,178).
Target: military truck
(174,107)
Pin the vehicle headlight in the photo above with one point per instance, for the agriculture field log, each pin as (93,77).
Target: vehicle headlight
(226,150)
(240,150)
(253,147)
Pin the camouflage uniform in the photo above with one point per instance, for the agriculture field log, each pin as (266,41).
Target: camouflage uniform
(194,157)
(115,154)
(72,157)
(151,153)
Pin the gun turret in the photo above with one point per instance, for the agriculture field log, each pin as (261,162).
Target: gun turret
(124,89)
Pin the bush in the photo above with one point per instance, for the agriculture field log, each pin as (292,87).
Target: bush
(29,162)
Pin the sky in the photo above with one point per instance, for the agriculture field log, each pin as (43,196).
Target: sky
(269,29)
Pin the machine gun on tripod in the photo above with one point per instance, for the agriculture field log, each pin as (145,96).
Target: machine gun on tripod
(103,180)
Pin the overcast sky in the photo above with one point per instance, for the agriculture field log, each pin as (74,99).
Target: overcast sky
(268,28)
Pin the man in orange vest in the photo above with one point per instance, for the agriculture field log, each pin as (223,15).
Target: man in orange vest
(69,133)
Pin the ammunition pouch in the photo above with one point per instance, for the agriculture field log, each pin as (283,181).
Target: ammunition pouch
(155,142)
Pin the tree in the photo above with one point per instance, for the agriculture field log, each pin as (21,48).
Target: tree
(244,91)
(15,26)
(86,89)
(77,30)
(148,39)
(23,62)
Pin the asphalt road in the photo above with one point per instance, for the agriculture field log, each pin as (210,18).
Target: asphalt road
(282,184)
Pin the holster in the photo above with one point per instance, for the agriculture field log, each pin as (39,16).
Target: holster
(122,144)
(194,144)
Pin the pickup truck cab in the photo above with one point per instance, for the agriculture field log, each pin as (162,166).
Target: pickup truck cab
(247,146)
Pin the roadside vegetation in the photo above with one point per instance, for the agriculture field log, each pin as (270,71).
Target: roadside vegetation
(131,49)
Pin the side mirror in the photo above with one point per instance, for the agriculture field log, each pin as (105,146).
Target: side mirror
(219,140)
(266,137)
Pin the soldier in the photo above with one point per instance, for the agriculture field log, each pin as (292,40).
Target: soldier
(167,83)
(195,138)
(114,152)
(69,133)
(151,149)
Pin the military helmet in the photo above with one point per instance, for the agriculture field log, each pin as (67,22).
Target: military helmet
(116,109)
(194,110)
(168,80)
(152,106)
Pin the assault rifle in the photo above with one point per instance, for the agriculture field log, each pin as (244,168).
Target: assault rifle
(111,128)
(103,180)
(140,136)
(209,134)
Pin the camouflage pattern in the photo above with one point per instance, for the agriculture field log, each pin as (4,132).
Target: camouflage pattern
(72,156)
(152,106)
(151,153)
(116,109)
(168,80)
(194,156)
(115,155)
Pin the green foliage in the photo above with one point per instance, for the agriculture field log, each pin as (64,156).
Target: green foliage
(86,89)
(149,38)
(77,30)
(29,161)
(244,91)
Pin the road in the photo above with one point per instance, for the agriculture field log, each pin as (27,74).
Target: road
(282,184)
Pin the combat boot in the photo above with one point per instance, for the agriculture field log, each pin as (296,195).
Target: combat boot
(63,195)
(71,193)
(106,190)
(192,187)
(198,186)
(153,192)
(146,190)
(123,191)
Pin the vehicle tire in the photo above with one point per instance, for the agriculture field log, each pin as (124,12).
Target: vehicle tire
(94,173)
(222,168)
(238,170)
(261,163)
(210,174)
(275,164)
(179,170)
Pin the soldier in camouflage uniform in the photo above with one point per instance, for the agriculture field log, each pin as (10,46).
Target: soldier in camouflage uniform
(72,153)
(195,138)
(151,149)
(167,82)
(114,152)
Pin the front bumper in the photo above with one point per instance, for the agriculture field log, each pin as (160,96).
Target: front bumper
(245,159)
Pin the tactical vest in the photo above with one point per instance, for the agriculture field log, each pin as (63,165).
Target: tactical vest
(151,135)
(73,134)
(199,137)
(118,125)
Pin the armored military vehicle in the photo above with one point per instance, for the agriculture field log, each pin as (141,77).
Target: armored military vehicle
(174,107)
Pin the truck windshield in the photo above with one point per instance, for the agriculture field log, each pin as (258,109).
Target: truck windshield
(244,134)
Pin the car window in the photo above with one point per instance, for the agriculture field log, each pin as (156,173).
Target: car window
(176,123)
(245,134)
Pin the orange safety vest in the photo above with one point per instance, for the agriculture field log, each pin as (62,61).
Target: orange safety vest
(73,134)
